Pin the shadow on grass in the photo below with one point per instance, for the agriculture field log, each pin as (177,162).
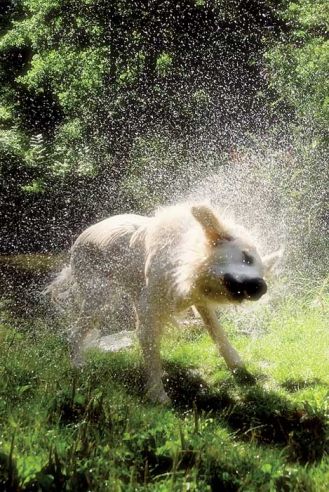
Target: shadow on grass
(294,385)
(8,473)
(253,413)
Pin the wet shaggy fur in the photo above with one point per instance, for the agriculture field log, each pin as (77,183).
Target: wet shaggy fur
(183,256)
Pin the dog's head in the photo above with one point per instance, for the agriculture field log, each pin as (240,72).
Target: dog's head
(232,270)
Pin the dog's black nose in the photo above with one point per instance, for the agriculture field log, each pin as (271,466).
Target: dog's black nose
(245,288)
(254,288)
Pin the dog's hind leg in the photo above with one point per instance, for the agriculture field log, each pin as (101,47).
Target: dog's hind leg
(218,335)
(90,313)
(87,307)
(80,328)
(149,330)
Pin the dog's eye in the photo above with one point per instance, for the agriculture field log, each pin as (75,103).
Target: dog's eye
(246,258)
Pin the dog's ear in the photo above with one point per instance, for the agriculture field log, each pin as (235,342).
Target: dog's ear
(272,260)
(212,227)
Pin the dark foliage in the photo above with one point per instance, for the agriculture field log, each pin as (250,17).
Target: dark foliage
(82,82)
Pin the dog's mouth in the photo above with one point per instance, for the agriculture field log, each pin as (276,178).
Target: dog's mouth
(237,296)
(221,294)
(215,292)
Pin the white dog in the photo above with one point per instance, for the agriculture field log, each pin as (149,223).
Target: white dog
(183,256)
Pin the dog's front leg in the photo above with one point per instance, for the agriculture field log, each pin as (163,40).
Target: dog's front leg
(149,328)
(218,335)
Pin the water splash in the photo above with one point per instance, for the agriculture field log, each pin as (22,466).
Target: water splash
(278,192)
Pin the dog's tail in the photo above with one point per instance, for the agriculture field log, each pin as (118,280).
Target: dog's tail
(61,289)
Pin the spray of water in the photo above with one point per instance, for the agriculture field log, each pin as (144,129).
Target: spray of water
(278,192)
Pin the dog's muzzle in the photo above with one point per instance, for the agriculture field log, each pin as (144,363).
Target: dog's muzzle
(245,288)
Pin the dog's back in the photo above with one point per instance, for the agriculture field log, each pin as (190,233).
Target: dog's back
(103,252)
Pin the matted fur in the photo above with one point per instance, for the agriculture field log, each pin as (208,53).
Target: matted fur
(183,256)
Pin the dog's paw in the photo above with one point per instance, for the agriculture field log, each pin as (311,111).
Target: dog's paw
(243,376)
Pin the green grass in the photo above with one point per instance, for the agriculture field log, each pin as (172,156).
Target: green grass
(62,429)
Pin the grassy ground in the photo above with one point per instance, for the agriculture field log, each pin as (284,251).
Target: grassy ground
(61,429)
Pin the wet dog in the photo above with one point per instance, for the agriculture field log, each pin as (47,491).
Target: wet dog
(183,256)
